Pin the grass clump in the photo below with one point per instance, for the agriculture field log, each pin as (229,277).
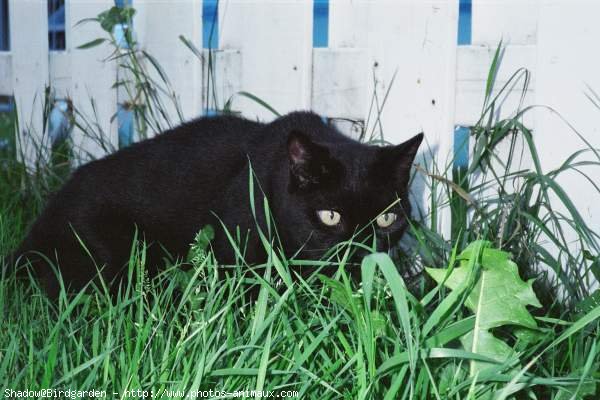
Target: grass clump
(322,337)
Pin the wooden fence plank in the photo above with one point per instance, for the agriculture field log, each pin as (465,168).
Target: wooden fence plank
(92,77)
(472,69)
(275,40)
(182,67)
(29,50)
(339,86)
(405,41)
(567,73)
(221,81)
(513,21)
(60,73)
(6,74)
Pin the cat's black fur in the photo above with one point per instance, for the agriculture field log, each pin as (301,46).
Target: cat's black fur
(172,185)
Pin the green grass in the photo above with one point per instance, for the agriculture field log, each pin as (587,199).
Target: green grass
(393,334)
(325,338)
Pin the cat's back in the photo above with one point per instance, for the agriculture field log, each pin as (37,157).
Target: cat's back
(207,133)
(202,153)
(208,142)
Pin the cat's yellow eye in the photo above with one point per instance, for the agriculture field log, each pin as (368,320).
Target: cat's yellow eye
(329,217)
(387,219)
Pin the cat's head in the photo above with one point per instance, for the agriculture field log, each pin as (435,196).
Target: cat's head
(340,189)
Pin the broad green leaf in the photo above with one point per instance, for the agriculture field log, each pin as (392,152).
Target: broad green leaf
(499,297)
(504,295)
(487,345)
(526,336)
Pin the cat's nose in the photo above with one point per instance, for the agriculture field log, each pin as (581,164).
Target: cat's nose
(358,255)
(361,253)
(352,268)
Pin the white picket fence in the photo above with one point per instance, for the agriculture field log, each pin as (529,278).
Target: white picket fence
(403,53)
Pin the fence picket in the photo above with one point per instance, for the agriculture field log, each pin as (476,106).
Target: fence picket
(181,66)
(29,61)
(339,91)
(275,40)
(567,78)
(92,77)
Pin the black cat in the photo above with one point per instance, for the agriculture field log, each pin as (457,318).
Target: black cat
(321,187)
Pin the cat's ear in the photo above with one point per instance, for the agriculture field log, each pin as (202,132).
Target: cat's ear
(402,156)
(311,164)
